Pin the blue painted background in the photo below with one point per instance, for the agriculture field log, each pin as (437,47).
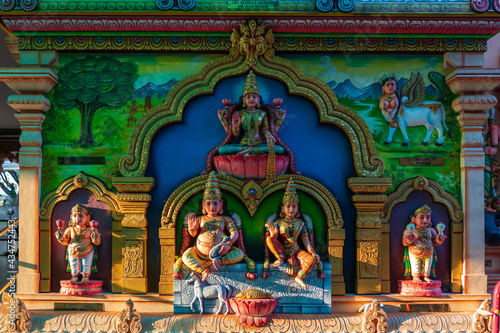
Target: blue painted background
(178,153)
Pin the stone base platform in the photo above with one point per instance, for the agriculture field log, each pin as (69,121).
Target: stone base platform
(291,297)
(408,287)
(154,303)
(50,321)
(92,287)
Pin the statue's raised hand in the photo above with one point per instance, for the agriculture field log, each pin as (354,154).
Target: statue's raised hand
(192,222)
(222,115)
(236,120)
(273,230)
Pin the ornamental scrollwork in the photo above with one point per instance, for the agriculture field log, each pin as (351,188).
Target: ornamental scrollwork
(374,317)
(133,261)
(129,320)
(368,258)
(253,40)
(481,321)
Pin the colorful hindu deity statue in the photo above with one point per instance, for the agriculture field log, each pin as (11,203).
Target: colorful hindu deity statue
(82,239)
(491,134)
(216,234)
(420,240)
(283,237)
(389,101)
(251,130)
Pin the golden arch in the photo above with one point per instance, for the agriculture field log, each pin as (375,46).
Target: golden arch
(366,161)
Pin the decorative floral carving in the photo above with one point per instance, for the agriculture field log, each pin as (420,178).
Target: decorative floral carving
(133,261)
(482,318)
(480,6)
(252,40)
(129,320)
(368,259)
(336,259)
(21,320)
(374,317)
(167,260)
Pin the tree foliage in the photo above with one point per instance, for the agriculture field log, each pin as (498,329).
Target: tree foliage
(92,83)
(9,183)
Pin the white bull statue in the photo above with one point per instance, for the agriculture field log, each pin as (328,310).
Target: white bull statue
(430,114)
(417,112)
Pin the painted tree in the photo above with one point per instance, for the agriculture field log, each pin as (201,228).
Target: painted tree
(92,83)
(9,183)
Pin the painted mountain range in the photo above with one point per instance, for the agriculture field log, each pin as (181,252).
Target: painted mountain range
(347,89)
(150,89)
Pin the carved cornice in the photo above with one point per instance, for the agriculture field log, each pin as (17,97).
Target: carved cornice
(368,26)
(81,180)
(473,81)
(421,183)
(482,6)
(31,80)
(198,43)
(239,189)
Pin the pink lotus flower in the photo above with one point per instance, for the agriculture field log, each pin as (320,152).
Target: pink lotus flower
(249,167)
(93,224)
(253,312)
(60,224)
(226,102)
(277,102)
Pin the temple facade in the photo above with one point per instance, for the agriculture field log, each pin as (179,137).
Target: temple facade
(304,166)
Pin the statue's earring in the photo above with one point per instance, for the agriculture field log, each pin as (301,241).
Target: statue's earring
(203,211)
(243,105)
(221,211)
(282,214)
(258,105)
(297,215)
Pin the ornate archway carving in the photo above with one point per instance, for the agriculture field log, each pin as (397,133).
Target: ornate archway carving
(256,54)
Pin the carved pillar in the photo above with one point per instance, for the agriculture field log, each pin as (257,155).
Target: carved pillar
(473,84)
(167,244)
(30,81)
(368,201)
(134,199)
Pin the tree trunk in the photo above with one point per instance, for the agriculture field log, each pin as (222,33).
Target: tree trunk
(87,115)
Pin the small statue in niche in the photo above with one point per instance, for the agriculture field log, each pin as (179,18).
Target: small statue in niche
(419,239)
(82,238)
(260,152)
(283,235)
(213,247)
(491,134)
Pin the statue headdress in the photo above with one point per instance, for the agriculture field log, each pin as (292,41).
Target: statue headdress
(212,190)
(423,210)
(80,209)
(251,84)
(290,196)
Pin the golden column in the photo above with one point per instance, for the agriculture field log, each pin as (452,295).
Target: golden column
(368,200)
(134,200)
(474,84)
(33,79)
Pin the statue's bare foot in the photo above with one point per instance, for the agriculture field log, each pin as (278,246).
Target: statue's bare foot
(428,279)
(416,279)
(204,274)
(301,282)
(278,262)
(244,151)
(85,279)
(74,279)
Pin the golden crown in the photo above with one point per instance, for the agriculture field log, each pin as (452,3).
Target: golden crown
(212,191)
(290,196)
(251,85)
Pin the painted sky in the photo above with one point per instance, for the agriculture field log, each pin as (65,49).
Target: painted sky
(162,68)
(363,70)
